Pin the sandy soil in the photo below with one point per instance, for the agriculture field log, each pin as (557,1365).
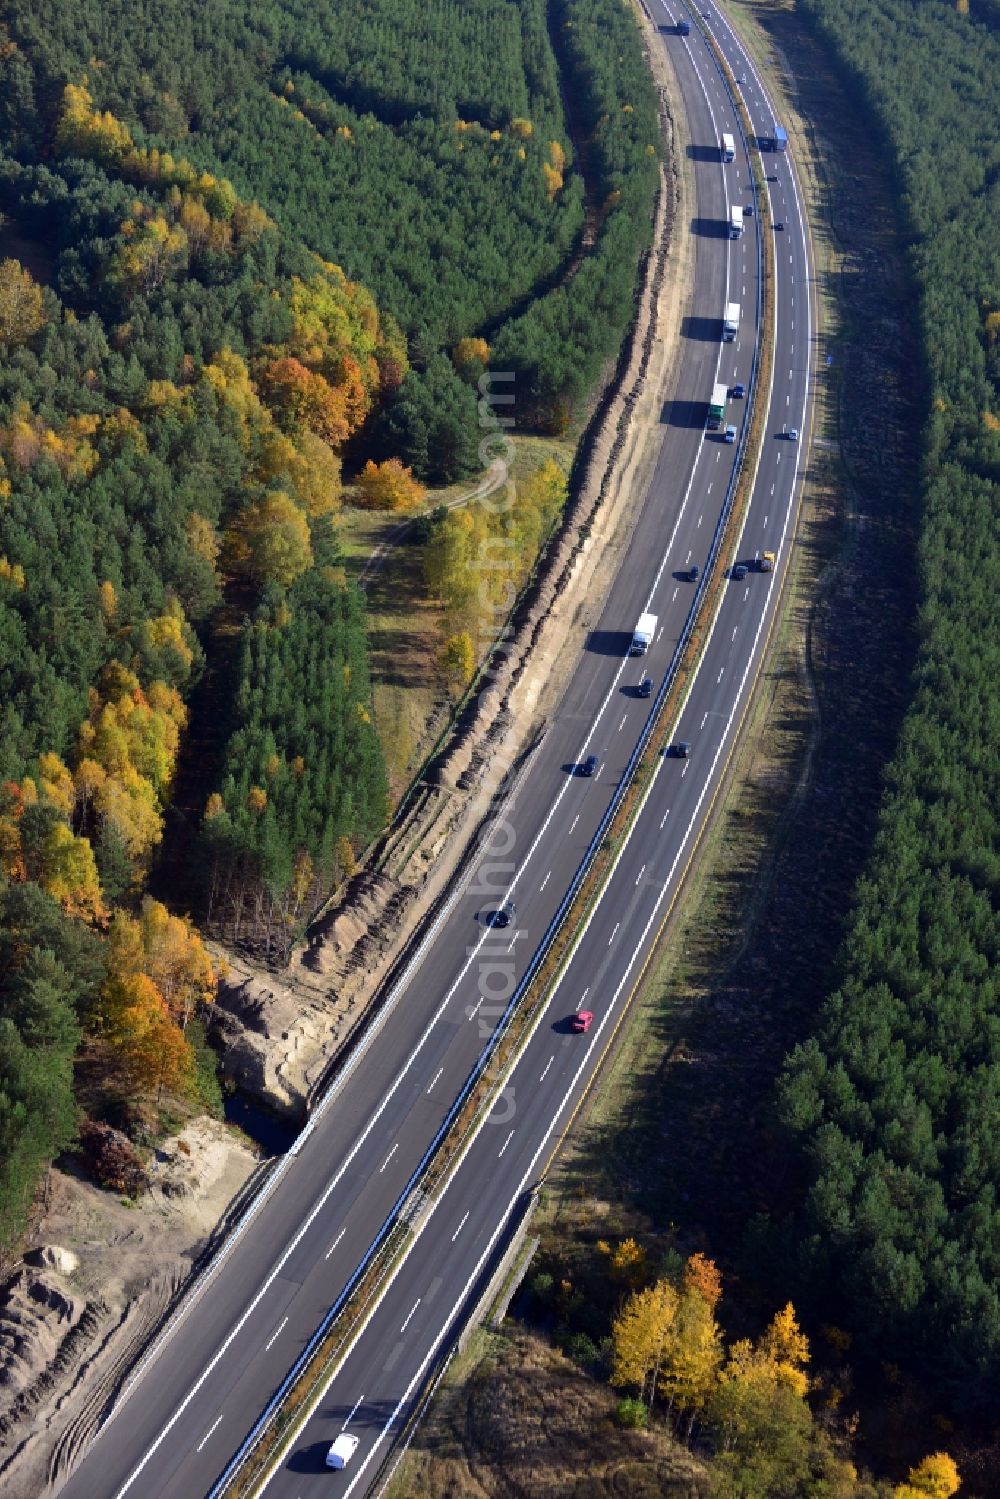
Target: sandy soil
(98,1278)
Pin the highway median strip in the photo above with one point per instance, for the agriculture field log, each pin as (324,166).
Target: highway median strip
(266,1448)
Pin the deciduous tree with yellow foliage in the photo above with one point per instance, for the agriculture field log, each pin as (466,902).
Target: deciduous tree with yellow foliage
(640,1334)
(270,540)
(935,1477)
(692,1356)
(22,308)
(389,486)
(470,357)
(458,659)
(169,951)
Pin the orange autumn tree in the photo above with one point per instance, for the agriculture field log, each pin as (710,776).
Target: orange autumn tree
(701,1275)
(150,1047)
(11,809)
(168,950)
(159,975)
(125,759)
(339,355)
(389,486)
(305,400)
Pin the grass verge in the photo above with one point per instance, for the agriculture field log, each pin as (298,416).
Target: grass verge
(406,628)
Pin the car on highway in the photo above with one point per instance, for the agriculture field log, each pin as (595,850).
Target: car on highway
(582,1021)
(342,1450)
(503,915)
(680,749)
(693,573)
(730,435)
(646,687)
(743,79)
(737,391)
(739,572)
(779,224)
(748,210)
(792,434)
(589,766)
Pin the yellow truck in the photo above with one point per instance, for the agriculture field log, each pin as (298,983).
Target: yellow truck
(767,560)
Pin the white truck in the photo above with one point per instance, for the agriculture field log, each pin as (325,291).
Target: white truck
(731,322)
(728,147)
(643,635)
(735,221)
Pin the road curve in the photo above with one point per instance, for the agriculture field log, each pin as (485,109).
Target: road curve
(191,1404)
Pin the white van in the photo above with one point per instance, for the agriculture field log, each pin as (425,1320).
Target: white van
(342,1450)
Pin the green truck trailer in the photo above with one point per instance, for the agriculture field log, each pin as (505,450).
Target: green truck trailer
(717,408)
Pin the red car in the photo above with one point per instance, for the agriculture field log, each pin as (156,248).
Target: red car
(582,1021)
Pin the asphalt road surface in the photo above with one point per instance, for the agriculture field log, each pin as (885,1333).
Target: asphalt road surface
(190,1406)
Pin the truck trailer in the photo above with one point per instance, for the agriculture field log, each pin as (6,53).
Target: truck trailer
(717,408)
(731,321)
(735,222)
(643,635)
(727,147)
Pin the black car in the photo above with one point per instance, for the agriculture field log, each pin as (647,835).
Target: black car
(779,224)
(693,573)
(680,749)
(748,211)
(502,916)
(740,572)
(646,687)
(589,766)
(737,392)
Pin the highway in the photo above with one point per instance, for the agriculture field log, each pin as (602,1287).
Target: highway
(191,1404)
